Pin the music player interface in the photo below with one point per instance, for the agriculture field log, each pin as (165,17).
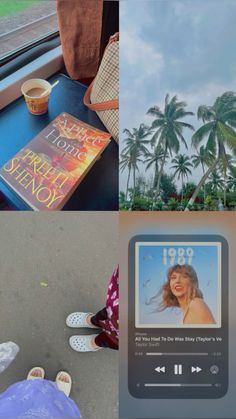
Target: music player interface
(178,317)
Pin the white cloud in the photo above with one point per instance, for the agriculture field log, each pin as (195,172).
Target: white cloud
(141,54)
(141,58)
(141,62)
(183,10)
(139,10)
(205,95)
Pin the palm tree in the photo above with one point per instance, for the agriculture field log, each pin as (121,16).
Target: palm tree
(130,160)
(224,168)
(154,159)
(181,164)
(141,185)
(167,187)
(189,188)
(203,158)
(169,129)
(126,162)
(231,183)
(219,122)
(122,200)
(216,182)
(134,147)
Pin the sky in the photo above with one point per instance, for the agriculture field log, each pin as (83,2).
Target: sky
(153,274)
(183,47)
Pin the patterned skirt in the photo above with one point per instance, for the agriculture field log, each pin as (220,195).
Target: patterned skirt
(36,399)
(108,318)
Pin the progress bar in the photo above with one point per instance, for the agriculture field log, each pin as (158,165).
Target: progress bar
(176,353)
(177,385)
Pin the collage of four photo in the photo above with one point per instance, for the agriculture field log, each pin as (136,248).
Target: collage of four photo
(117,209)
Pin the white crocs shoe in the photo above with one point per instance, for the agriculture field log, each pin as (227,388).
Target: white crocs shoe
(83,343)
(79,319)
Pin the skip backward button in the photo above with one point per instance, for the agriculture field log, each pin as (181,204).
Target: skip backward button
(160,369)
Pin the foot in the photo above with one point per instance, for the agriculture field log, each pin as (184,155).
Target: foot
(35,373)
(80,319)
(84,343)
(64,382)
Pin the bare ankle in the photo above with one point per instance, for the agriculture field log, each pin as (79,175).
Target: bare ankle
(88,319)
(94,345)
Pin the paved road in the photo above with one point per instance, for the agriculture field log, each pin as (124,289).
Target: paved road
(35,11)
(24,35)
(74,254)
(16,21)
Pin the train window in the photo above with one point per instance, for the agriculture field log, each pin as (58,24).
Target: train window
(23,23)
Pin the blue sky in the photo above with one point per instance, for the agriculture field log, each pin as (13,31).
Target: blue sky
(152,275)
(183,47)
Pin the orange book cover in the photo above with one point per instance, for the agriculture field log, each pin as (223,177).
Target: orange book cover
(48,169)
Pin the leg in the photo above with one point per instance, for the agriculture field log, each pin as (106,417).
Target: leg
(104,341)
(101,315)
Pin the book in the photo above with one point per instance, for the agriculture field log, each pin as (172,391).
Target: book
(49,168)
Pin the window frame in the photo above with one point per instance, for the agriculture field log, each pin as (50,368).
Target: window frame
(42,67)
(39,58)
(24,57)
(27,47)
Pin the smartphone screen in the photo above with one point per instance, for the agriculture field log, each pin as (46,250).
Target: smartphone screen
(178,316)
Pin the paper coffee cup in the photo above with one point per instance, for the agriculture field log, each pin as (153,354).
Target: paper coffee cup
(36,104)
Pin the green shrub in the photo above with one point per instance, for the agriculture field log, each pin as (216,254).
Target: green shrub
(141,204)
(172,204)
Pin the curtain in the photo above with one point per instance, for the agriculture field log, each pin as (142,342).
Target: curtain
(80,27)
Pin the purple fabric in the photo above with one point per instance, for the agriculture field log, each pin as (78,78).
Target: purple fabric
(36,399)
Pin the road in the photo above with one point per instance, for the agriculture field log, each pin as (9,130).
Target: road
(51,265)
(19,29)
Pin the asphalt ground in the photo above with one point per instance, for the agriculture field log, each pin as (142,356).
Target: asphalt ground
(52,264)
(24,35)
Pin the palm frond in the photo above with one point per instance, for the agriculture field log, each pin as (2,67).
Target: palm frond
(181,113)
(206,113)
(155,111)
(201,133)
(185,125)
(228,135)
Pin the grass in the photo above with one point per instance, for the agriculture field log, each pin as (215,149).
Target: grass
(8,7)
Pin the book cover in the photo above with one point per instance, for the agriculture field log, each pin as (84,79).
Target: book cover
(48,169)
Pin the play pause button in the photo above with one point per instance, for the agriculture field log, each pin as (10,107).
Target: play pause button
(196,369)
(160,369)
(178,369)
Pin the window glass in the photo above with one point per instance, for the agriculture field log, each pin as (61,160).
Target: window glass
(22,22)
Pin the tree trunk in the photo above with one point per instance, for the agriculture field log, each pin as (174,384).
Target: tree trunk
(160,174)
(182,192)
(155,176)
(201,183)
(134,181)
(127,186)
(204,186)
(225,190)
